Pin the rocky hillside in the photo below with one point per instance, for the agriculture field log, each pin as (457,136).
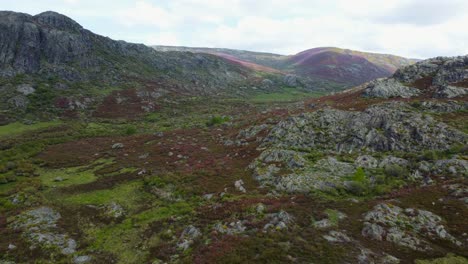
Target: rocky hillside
(51,66)
(339,67)
(52,45)
(440,77)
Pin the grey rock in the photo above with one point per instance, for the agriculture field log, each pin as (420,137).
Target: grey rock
(25,89)
(278,221)
(443,107)
(82,259)
(239,184)
(290,80)
(373,231)
(232,228)
(409,227)
(453,167)
(387,88)
(19,101)
(58,179)
(117,146)
(267,83)
(39,227)
(188,237)
(337,237)
(385,127)
(114,210)
(390,160)
(366,161)
(448,91)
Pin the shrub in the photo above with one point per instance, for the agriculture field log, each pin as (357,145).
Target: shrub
(430,155)
(130,130)
(3,179)
(217,120)
(357,188)
(359,175)
(395,171)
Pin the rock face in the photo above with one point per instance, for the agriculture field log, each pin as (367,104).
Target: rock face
(52,45)
(405,227)
(439,77)
(385,127)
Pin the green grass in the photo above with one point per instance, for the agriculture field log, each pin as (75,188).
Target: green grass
(17,128)
(287,95)
(126,195)
(449,259)
(124,239)
(72,176)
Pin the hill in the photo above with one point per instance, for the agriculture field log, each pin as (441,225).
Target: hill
(341,67)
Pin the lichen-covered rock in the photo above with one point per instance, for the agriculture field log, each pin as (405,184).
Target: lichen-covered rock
(388,88)
(384,127)
(448,91)
(453,167)
(391,161)
(304,176)
(25,89)
(405,227)
(278,221)
(39,227)
(188,237)
(366,161)
(369,257)
(442,74)
(239,184)
(290,80)
(336,237)
(443,107)
(231,228)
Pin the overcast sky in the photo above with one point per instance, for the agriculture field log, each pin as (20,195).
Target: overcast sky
(411,28)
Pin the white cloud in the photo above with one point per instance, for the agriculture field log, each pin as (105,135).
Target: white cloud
(412,28)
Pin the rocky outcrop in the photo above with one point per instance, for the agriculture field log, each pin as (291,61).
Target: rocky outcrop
(39,227)
(388,88)
(440,77)
(385,127)
(408,227)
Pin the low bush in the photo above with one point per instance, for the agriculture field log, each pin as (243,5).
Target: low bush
(217,120)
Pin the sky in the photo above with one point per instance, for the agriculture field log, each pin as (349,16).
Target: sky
(409,28)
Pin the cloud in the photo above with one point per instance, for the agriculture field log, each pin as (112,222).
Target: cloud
(411,28)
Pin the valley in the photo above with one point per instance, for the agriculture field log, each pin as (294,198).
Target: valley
(113,152)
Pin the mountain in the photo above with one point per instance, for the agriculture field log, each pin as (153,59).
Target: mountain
(342,66)
(51,65)
(54,46)
(346,66)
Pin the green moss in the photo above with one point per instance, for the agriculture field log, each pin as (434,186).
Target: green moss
(217,120)
(127,195)
(17,128)
(333,216)
(285,95)
(124,239)
(360,175)
(449,259)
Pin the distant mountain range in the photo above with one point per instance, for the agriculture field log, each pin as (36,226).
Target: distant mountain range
(344,66)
